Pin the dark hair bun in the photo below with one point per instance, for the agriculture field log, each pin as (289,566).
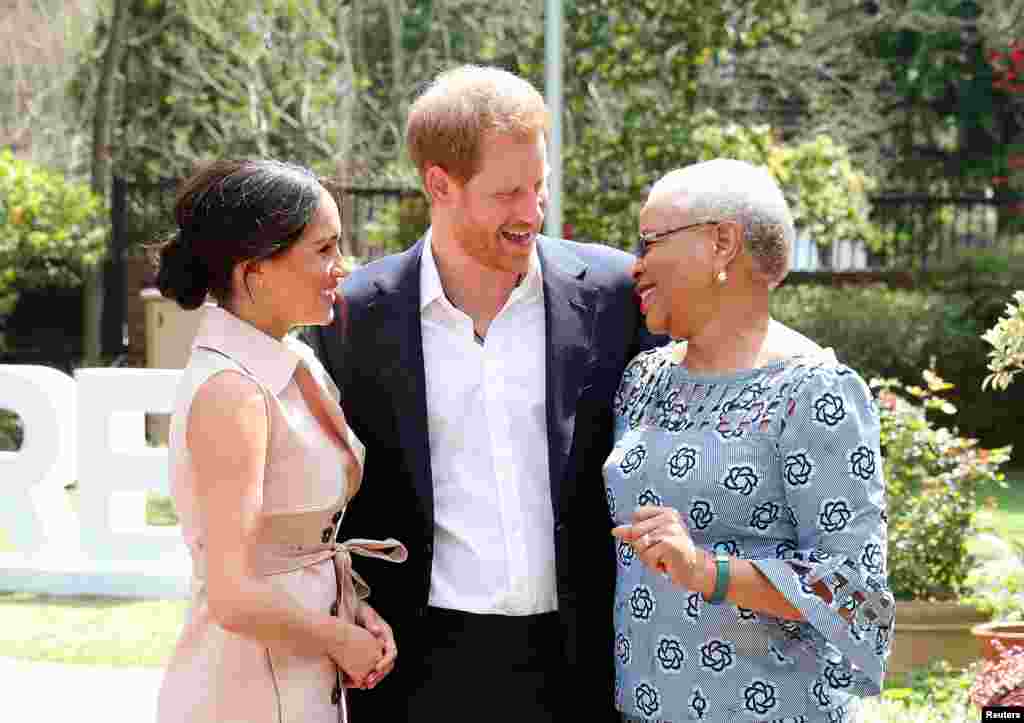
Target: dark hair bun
(183,276)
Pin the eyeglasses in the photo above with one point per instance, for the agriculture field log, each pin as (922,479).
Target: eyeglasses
(646,240)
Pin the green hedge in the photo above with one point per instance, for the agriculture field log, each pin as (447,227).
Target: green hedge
(11,431)
(888,332)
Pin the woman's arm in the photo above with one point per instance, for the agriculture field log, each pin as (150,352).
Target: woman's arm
(835,498)
(663,544)
(228,435)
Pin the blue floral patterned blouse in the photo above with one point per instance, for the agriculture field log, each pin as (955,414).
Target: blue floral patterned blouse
(780,466)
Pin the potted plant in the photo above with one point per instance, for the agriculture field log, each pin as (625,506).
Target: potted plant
(1001,587)
(934,478)
(1000,681)
(999,591)
(1002,595)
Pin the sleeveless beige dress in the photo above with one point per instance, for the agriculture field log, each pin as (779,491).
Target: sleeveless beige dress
(313,468)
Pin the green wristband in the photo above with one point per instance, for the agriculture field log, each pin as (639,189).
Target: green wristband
(721,579)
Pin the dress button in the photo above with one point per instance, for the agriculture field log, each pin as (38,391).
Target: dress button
(328,533)
(336,695)
(334,609)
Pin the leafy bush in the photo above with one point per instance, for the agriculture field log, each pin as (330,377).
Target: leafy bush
(851,320)
(1007,339)
(11,431)
(50,229)
(885,332)
(934,479)
(827,194)
(998,587)
(399,224)
(935,694)
(938,688)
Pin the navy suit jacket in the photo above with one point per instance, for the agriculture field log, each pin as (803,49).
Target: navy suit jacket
(374,352)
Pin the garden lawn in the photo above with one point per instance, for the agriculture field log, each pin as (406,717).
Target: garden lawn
(1008,518)
(89,630)
(92,630)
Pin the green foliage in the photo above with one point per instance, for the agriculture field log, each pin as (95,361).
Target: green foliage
(12,433)
(883,332)
(999,588)
(322,83)
(1006,358)
(827,195)
(399,224)
(934,480)
(51,229)
(204,79)
(637,98)
(954,113)
(38,42)
(849,319)
(933,694)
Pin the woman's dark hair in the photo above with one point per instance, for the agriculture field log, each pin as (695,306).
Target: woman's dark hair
(229,212)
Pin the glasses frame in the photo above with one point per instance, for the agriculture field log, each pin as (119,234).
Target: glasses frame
(646,240)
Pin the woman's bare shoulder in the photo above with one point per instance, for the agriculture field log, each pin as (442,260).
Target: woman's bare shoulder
(228,403)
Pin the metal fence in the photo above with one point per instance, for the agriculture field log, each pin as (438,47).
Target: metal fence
(925,233)
(143,213)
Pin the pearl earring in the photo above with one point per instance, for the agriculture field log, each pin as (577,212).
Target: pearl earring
(721,276)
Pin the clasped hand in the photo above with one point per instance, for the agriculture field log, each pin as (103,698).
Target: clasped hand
(662,543)
(370,652)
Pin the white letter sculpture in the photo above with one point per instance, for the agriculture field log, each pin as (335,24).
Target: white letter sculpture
(34,511)
(91,429)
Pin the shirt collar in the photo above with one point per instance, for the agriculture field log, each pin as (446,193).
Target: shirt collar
(430,278)
(272,362)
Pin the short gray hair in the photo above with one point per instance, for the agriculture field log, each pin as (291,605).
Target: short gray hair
(724,189)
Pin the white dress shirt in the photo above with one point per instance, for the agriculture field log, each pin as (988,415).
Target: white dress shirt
(494,548)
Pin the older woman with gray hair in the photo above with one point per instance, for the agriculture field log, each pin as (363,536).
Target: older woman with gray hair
(745,482)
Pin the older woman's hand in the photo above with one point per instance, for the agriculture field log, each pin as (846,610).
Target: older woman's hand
(662,543)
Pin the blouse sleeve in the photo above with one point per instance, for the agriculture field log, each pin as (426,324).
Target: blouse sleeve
(836,576)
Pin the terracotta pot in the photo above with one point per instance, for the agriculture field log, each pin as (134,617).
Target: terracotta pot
(1011,635)
(930,631)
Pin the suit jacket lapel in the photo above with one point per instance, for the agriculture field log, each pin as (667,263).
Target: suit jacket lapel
(569,323)
(398,309)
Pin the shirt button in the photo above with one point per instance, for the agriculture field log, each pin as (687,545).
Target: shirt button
(326,536)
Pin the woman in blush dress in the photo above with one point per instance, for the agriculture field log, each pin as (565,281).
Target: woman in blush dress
(745,481)
(263,463)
